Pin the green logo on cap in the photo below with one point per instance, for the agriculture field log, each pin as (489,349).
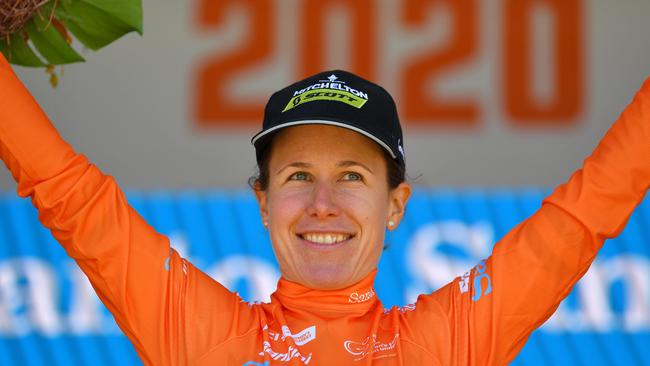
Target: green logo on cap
(325,94)
(331,89)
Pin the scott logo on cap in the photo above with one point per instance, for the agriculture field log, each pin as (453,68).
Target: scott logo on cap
(331,89)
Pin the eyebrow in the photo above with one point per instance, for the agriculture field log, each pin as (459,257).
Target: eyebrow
(297,164)
(342,164)
(349,163)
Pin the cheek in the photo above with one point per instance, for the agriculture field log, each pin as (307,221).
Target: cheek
(369,207)
(286,207)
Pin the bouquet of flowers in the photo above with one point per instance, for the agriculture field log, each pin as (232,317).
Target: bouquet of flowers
(41,33)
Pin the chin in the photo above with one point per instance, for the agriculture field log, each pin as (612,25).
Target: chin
(327,277)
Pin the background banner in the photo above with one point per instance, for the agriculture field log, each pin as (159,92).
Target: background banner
(492,92)
(49,314)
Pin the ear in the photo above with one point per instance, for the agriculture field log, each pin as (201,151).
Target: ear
(398,198)
(262,201)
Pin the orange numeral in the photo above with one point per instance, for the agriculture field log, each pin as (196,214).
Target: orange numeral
(520,102)
(362,36)
(418,105)
(214,104)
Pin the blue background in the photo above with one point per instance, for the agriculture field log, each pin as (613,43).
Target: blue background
(217,230)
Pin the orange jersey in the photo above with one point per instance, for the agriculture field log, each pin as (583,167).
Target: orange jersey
(175,314)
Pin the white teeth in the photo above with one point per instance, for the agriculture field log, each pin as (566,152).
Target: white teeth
(326,238)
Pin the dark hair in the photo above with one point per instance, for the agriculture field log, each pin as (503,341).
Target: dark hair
(260,181)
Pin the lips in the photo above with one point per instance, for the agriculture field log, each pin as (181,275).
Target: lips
(325,238)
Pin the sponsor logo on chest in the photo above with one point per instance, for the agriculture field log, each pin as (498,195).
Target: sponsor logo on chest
(291,353)
(288,350)
(303,337)
(371,346)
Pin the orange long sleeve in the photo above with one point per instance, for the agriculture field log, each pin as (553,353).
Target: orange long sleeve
(495,307)
(174,314)
(142,281)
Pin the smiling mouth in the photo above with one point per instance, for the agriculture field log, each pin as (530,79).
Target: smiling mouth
(325,238)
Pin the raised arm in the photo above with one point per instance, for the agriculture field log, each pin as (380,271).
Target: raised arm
(494,307)
(151,291)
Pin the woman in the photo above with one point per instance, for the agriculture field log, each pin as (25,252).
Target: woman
(331,182)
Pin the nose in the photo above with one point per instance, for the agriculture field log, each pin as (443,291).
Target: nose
(323,201)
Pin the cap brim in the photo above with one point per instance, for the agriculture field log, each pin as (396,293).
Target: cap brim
(261,134)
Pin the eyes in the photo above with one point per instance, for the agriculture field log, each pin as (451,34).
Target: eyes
(352,176)
(299,176)
(346,177)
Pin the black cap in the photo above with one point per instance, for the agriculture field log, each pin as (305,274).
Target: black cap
(336,98)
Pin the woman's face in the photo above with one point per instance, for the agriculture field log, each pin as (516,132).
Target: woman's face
(328,205)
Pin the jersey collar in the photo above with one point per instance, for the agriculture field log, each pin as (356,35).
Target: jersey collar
(358,298)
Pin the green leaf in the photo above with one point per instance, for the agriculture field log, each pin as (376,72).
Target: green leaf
(50,43)
(127,11)
(94,23)
(17,51)
(90,25)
